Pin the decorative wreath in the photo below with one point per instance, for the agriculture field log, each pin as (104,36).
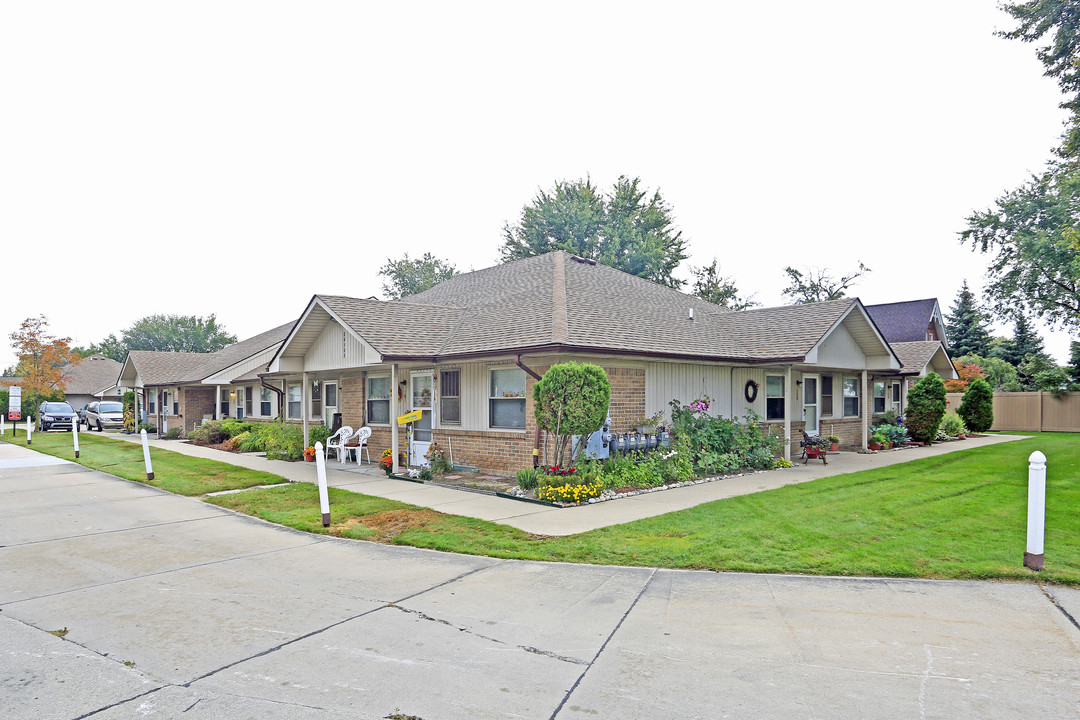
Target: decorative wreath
(750,391)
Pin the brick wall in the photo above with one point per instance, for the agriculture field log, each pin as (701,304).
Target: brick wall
(195,401)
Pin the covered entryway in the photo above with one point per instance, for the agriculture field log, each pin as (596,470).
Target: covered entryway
(421,395)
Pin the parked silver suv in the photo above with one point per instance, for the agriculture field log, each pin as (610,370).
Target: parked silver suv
(104,414)
(55,415)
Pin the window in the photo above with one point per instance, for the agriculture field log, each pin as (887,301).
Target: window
(450,397)
(774,397)
(249,400)
(164,402)
(896,395)
(293,396)
(152,407)
(506,403)
(879,397)
(851,397)
(264,402)
(378,400)
(224,409)
(331,395)
(826,394)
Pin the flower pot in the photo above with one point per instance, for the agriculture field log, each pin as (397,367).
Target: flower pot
(834,447)
(309,458)
(874,446)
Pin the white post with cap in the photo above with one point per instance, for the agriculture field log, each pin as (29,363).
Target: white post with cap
(324,495)
(1036,511)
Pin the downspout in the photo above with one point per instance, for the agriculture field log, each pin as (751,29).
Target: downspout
(731,393)
(536,433)
(277,391)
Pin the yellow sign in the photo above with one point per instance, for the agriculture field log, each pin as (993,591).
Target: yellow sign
(410,417)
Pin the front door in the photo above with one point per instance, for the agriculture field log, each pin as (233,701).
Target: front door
(330,403)
(421,392)
(810,403)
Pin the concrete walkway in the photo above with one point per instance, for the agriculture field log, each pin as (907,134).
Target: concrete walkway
(173,608)
(543,520)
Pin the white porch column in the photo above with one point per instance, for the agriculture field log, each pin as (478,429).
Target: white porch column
(305,398)
(394,416)
(903,395)
(864,414)
(788,390)
(217,403)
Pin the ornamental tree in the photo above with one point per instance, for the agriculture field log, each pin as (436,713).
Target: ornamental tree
(571,399)
(977,407)
(926,407)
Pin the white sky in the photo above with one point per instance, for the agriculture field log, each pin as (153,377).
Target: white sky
(237,158)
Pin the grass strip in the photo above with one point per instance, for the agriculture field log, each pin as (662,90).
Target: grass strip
(177,473)
(958,516)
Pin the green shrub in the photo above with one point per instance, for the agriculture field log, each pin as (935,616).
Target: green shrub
(173,433)
(711,439)
(952,425)
(210,432)
(714,463)
(977,406)
(148,427)
(571,399)
(254,441)
(234,427)
(926,407)
(283,441)
(318,433)
(760,458)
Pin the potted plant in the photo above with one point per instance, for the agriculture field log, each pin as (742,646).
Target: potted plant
(877,442)
(309,453)
(834,443)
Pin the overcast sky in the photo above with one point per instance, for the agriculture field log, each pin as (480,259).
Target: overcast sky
(237,158)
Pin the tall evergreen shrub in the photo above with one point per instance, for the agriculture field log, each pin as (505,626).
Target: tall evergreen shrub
(977,407)
(571,399)
(926,407)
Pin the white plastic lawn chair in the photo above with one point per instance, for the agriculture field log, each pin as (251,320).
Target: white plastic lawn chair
(360,443)
(336,442)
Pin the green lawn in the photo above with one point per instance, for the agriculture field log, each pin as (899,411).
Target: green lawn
(961,515)
(174,472)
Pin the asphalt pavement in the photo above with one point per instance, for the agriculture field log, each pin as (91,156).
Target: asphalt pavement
(172,608)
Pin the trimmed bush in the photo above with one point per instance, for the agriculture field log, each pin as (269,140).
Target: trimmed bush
(977,407)
(211,432)
(926,408)
(571,399)
(951,426)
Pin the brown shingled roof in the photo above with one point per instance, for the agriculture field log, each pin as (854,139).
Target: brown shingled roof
(558,300)
(157,367)
(90,376)
(915,355)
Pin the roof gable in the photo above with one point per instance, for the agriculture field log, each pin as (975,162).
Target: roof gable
(91,375)
(907,321)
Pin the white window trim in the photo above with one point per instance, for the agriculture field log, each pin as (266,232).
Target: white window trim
(289,401)
(367,399)
(439,397)
(844,396)
(783,385)
(884,396)
(490,397)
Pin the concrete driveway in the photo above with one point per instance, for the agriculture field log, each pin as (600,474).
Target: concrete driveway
(174,608)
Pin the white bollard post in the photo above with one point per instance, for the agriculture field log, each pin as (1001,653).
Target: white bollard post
(324,496)
(3,425)
(1036,515)
(29,430)
(146,456)
(75,435)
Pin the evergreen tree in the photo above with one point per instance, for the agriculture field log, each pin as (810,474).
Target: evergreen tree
(926,407)
(1074,361)
(977,406)
(1026,340)
(966,326)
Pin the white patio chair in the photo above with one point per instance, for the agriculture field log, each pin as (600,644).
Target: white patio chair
(360,442)
(336,442)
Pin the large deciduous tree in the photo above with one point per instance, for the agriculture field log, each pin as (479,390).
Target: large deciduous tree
(626,228)
(810,285)
(42,357)
(711,286)
(178,333)
(409,276)
(966,325)
(1031,234)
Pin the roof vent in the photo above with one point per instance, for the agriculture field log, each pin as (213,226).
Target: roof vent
(691,314)
(583,261)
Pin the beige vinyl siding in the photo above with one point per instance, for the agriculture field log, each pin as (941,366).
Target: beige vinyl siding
(840,350)
(258,360)
(474,395)
(336,349)
(725,385)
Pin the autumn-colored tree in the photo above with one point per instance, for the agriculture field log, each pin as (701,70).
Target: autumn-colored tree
(967,372)
(41,357)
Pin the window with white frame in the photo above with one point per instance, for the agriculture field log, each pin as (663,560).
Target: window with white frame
(264,403)
(316,398)
(879,397)
(164,402)
(224,409)
(249,400)
(774,397)
(151,405)
(851,397)
(506,401)
(294,401)
(450,397)
(378,400)
(896,395)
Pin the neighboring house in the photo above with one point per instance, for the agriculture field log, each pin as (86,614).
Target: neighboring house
(182,390)
(466,354)
(93,378)
(916,331)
